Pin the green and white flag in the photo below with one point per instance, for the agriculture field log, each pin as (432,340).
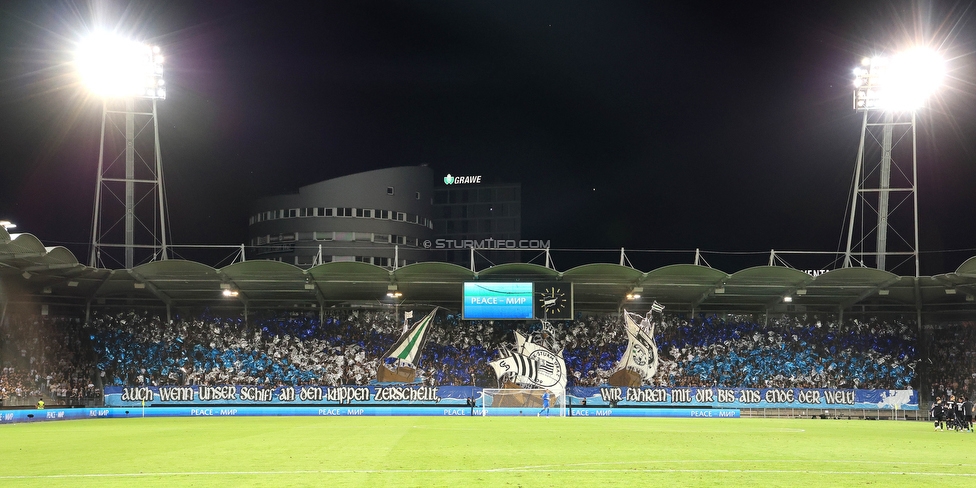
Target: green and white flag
(407,348)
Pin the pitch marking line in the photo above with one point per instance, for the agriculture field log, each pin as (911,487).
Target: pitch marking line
(474,471)
(739,461)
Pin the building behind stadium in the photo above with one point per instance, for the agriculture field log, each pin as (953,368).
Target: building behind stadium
(388,217)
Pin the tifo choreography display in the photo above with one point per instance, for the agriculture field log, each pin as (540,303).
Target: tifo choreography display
(365,357)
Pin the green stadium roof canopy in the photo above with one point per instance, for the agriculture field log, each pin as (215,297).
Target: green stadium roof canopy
(53,275)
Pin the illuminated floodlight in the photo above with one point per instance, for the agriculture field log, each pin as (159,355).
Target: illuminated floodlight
(902,82)
(113,67)
(6,224)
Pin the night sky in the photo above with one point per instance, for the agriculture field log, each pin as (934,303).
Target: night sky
(726,126)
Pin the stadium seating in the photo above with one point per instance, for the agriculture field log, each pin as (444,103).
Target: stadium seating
(72,359)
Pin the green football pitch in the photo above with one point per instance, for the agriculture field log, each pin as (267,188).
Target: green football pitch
(477,451)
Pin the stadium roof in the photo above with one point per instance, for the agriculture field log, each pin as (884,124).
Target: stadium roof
(54,275)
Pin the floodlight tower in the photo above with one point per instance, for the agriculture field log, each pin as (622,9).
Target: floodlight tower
(130,210)
(889,91)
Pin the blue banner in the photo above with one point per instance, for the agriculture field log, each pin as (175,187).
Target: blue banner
(18,416)
(716,397)
(398,394)
(416,395)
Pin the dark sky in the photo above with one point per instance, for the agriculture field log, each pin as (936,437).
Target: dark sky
(725,126)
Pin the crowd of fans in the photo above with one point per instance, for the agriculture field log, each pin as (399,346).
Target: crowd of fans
(70,358)
(14,384)
(794,351)
(952,360)
(46,356)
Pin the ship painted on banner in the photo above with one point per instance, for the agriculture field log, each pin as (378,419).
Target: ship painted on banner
(638,365)
(533,362)
(401,361)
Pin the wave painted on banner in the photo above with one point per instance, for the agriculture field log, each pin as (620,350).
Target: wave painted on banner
(415,395)
(19,416)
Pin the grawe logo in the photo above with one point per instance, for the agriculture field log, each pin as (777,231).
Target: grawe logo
(461,180)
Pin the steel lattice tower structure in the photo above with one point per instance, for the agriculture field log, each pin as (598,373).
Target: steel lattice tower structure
(884,200)
(129,223)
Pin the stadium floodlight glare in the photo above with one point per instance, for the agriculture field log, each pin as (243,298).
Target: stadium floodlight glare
(6,224)
(902,82)
(113,67)
(635,293)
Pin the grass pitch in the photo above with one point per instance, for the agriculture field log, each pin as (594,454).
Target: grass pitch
(521,451)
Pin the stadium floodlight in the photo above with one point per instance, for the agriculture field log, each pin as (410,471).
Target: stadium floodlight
(635,293)
(128,76)
(889,91)
(7,225)
(113,67)
(392,291)
(902,82)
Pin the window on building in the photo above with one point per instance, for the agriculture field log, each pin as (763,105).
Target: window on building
(417,195)
(389,190)
(292,212)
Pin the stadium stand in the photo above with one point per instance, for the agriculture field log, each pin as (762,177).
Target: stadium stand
(69,360)
(952,360)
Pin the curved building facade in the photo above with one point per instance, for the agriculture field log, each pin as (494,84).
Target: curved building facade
(379,217)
